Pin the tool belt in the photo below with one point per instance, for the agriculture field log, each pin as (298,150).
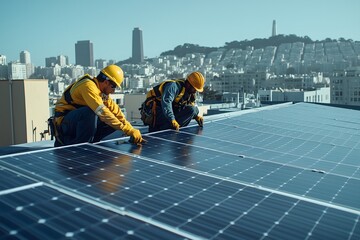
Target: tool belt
(148,111)
(53,129)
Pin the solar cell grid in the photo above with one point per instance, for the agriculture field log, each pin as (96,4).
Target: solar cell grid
(331,130)
(268,175)
(258,168)
(177,197)
(44,213)
(10,180)
(317,151)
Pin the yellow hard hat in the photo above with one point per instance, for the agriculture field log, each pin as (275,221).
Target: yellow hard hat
(114,73)
(197,80)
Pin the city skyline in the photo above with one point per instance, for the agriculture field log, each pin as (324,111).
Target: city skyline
(33,26)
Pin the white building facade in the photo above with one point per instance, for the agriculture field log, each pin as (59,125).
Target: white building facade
(320,95)
(345,87)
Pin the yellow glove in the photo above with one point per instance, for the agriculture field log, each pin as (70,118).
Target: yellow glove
(135,136)
(200,120)
(175,125)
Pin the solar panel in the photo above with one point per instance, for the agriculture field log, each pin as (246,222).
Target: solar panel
(44,213)
(10,180)
(265,174)
(293,173)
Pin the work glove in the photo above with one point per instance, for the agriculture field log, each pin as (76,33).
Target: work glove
(200,120)
(135,136)
(175,125)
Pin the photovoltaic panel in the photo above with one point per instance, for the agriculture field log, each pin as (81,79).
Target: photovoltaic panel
(44,213)
(196,204)
(287,173)
(10,180)
(295,175)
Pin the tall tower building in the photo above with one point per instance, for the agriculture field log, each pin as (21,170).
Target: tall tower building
(50,61)
(273,29)
(25,57)
(2,59)
(26,60)
(137,46)
(3,67)
(62,60)
(84,54)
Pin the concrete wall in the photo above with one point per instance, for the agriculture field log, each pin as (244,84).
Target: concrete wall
(19,111)
(132,103)
(6,135)
(25,106)
(36,107)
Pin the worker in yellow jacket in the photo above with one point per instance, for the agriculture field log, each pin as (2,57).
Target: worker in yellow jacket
(86,112)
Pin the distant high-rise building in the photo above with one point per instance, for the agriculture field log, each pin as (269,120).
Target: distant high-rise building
(111,61)
(137,46)
(4,72)
(273,28)
(3,67)
(84,55)
(26,60)
(100,63)
(2,59)
(17,70)
(25,57)
(50,61)
(62,60)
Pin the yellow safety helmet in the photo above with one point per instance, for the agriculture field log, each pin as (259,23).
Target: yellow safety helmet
(197,80)
(114,73)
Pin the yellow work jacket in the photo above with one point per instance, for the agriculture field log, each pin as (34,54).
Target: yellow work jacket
(87,93)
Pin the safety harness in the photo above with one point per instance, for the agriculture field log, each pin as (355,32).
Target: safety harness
(54,131)
(69,99)
(153,99)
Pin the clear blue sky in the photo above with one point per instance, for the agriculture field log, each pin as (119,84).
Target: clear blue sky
(48,28)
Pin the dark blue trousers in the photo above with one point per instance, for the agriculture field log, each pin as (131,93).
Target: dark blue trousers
(182,115)
(82,125)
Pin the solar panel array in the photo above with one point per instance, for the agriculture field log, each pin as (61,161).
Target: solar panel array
(291,172)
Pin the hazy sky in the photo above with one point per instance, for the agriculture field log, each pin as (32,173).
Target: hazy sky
(48,28)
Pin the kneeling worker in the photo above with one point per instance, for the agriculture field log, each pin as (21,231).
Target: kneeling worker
(171,104)
(86,112)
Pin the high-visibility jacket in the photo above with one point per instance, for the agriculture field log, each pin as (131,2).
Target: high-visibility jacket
(86,92)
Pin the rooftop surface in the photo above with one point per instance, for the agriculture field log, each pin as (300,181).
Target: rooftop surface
(289,171)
